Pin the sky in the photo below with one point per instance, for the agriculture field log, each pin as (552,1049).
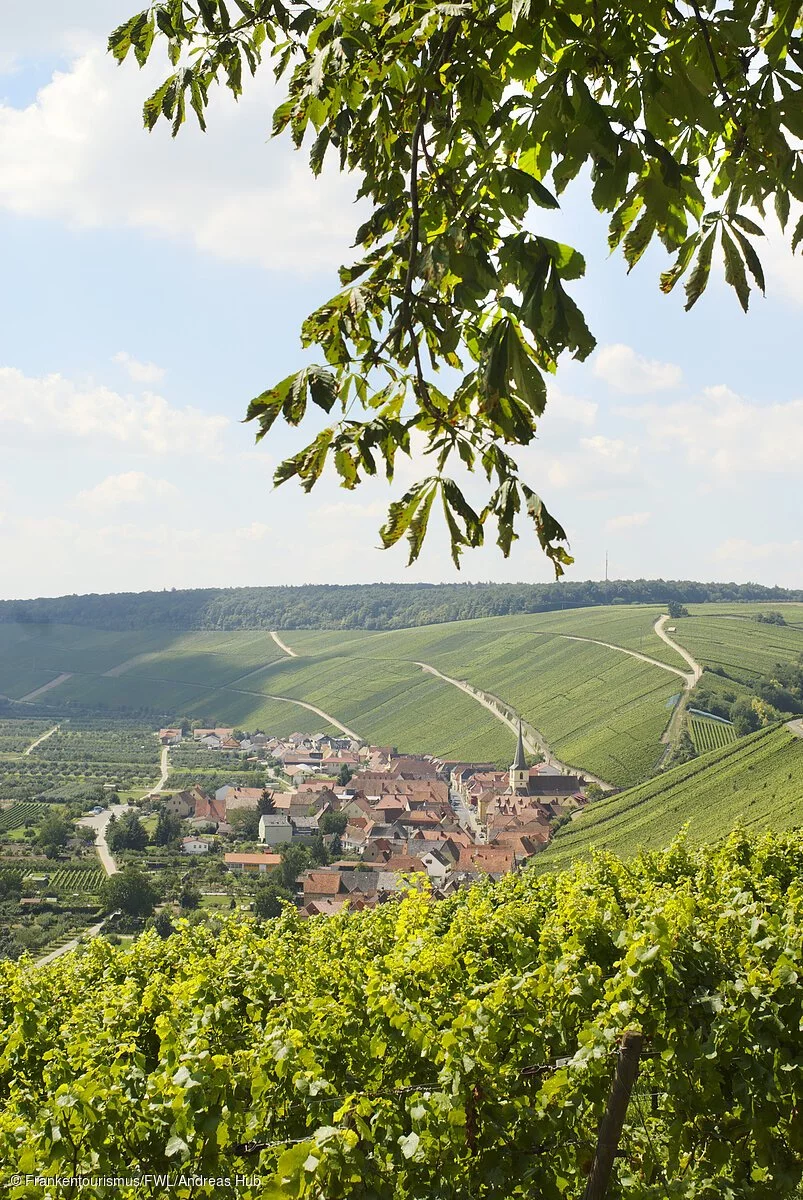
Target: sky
(152,287)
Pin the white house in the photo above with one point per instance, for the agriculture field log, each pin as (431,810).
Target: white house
(436,865)
(275,828)
(195,845)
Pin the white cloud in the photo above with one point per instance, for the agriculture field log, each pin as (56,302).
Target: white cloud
(562,406)
(744,553)
(140,372)
(54,406)
(130,487)
(722,432)
(79,154)
(627,521)
(626,371)
(255,532)
(600,463)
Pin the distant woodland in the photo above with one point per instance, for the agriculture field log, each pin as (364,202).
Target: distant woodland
(363,606)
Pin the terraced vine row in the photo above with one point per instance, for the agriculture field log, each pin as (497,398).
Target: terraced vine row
(76,879)
(710,735)
(19,813)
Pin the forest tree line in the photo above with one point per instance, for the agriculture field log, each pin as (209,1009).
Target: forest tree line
(364,606)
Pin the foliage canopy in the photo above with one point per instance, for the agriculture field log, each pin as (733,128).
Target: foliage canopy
(431,1050)
(460,119)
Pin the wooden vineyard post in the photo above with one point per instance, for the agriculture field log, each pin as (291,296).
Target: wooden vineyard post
(610,1129)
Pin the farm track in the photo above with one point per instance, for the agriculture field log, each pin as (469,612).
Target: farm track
(696,669)
(796,727)
(533,740)
(653,662)
(164,767)
(690,678)
(93,931)
(302,704)
(40,691)
(282,646)
(99,823)
(39,740)
(121,668)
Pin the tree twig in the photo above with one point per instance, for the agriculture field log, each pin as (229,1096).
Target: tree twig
(720,82)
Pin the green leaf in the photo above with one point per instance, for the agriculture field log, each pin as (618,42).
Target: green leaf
(797,237)
(699,277)
(533,187)
(751,258)
(734,269)
(402,512)
(176,1145)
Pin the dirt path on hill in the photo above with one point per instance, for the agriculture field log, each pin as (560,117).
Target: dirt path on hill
(283,645)
(690,678)
(654,662)
(93,931)
(40,691)
(302,704)
(41,739)
(796,727)
(533,740)
(696,670)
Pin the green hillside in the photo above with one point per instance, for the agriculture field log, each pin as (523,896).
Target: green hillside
(600,709)
(739,644)
(756,781)
(597,683)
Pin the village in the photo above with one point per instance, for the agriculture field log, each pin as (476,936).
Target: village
(380,816)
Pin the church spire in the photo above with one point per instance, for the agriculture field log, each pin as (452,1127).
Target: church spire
(519,762)
(519,771)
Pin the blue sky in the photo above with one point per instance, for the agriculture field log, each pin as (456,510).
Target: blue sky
(151,287)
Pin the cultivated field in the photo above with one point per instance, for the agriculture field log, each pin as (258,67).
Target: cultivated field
(600,707)
(739,644)
(710,735)
(757,781)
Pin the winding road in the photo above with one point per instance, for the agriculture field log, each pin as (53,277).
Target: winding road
(99,822)
(696,670)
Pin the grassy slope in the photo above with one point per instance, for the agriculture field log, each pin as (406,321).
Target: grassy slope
(599,709)
(757,780)
(742,646)
(602,710)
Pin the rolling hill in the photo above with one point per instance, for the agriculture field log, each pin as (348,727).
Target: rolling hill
(756,781)
(598,685)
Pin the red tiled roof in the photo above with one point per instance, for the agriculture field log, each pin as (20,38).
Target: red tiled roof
(253,860)
(328,883)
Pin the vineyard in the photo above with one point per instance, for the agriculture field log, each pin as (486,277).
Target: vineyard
(739,645)
(75,880)
(710,735)
(22,812)
(458,1050)
(756,781)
